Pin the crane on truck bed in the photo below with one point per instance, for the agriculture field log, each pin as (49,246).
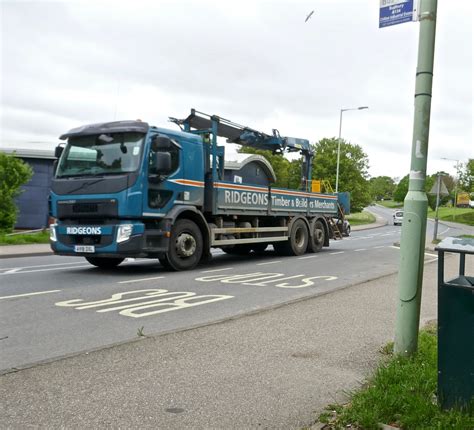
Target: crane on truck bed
(247,136)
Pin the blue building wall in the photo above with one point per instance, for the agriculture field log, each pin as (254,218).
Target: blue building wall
(33,202)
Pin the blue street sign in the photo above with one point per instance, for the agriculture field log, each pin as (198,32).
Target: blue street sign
(393,12)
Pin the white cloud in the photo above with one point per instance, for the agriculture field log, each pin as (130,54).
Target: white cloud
(64,63)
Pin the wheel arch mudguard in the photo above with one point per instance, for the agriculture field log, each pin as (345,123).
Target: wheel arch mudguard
(195,215)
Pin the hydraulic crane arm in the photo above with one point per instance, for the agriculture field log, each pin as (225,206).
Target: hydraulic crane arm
(235,133)
(246,136)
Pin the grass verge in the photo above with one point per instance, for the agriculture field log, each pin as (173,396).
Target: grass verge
(24,238)
(461,215)
(402,393)
(361,218)
(391,204)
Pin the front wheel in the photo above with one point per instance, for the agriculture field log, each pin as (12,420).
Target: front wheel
(104,263)
(186,246)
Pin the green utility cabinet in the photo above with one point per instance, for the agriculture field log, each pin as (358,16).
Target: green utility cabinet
(455,328)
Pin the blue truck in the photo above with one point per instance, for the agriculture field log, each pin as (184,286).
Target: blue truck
(126,189)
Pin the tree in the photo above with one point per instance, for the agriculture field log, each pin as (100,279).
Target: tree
(381,187)
(14,172)
(401,190)
(429,183)
(466,177)
(449,181)
(353,165)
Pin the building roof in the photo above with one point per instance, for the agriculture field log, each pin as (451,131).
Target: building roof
(30,153)
(237,161)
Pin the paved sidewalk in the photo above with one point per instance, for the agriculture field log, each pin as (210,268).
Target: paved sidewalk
(275,369)
(35,249)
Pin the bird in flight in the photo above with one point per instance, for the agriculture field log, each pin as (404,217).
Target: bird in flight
(309,16)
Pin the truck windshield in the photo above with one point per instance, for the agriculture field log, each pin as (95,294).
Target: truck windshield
(113,153)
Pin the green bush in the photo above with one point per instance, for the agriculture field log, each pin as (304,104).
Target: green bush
(14,172)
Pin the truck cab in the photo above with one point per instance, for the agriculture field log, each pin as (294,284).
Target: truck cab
(114,184)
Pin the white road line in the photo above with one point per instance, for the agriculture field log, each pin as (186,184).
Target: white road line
(309,256)
(381,246)
(430,261)
(216,270)
(432,255)
(130,281)
(361,249)
(449,228)
(394,247)
(270,262)
(44,270)
(30,294)
(334,253)
(43,265)
(13,270)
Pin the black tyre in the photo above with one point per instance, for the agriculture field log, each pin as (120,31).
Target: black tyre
(186,246)
(104,263)
(297,243)
(316,241)
(163,259)
(348,230)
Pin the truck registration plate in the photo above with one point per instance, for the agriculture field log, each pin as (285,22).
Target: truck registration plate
(84,248)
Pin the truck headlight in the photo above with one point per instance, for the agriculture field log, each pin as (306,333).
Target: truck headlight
(52,233)
(124,232)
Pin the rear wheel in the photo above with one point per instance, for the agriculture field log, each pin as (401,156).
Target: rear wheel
(348,230)
(185,248)
(104,263)
(316,241)
(297,242)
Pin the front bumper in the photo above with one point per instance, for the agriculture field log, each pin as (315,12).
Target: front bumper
(140,244)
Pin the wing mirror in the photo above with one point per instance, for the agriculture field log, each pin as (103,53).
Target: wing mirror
(58,151)
(161,143)
(162,163)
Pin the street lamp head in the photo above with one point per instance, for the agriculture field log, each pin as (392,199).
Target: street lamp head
(354,108)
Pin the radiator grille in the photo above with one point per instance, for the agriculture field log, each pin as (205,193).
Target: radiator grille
(85,208)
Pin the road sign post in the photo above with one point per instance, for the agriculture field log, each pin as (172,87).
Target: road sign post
(412,243)
(440,190)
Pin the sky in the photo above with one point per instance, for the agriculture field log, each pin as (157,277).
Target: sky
(257,63)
